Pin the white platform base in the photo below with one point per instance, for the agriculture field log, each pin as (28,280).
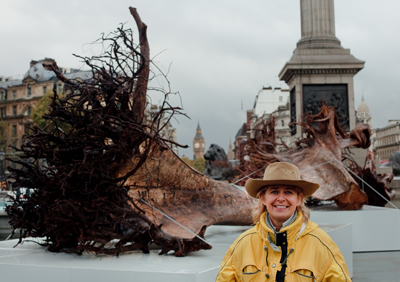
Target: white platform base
(341,234)
(374,228)
(30,262)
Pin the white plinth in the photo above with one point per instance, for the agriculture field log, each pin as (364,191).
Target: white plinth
(30,262)
(374,228)
(342,235)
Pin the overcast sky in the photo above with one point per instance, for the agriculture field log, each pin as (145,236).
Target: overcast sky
(221,52)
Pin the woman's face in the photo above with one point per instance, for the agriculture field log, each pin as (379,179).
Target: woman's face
(281,201)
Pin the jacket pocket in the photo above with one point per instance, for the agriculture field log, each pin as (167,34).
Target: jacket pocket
(250,273)
(302,275)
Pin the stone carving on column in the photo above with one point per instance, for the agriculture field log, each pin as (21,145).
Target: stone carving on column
(292,127)
(334,95)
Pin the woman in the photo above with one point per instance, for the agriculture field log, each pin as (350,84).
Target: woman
(283,245)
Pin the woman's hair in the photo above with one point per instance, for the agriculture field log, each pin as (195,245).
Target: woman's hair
(259,207)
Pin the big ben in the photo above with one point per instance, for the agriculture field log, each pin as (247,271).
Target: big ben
(198,144)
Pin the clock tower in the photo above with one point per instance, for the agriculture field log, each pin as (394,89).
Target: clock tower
(198,144)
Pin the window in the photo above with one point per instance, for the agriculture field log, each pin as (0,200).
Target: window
(14,95)
(29,91)
(2,95)
(59,88)
(282,122)
(15,111)
(44,89)
(14,130)
(2,112)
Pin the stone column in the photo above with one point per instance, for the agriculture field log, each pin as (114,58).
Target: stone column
(320,68)
(318,24)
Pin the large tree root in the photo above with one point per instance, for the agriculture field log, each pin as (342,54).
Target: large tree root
(109,182)
(318,156)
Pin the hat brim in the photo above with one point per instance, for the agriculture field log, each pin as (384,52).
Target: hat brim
(253,186)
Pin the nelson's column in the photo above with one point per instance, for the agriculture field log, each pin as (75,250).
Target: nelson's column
(320,67)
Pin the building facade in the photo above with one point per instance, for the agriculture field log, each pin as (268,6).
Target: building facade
(198,144)
(282,131)
(363,115)
(388,140)
(240,139)
(168,131)
(268,100)
(19,98)
(272,102)
(231,154)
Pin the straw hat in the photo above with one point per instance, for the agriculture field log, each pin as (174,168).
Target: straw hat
(281,173)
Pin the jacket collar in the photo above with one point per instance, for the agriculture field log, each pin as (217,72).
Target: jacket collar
(292,230)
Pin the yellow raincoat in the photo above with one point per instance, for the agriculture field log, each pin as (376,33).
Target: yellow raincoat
(311,255)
